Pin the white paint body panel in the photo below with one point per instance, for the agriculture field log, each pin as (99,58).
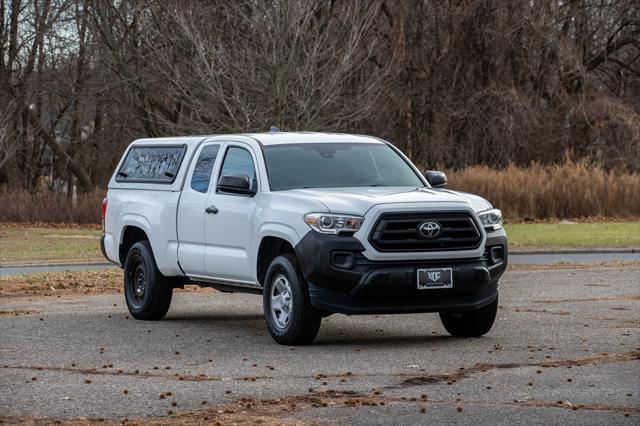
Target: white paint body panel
(224,247)
(191,219)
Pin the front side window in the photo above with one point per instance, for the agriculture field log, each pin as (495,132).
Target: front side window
(238,162)
(153,164)
(204,166)
(335,165)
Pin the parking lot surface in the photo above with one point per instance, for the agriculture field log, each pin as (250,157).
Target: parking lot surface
(565,349)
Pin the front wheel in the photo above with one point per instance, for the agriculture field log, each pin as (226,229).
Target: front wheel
(470,323)
(291,319)
(146,291)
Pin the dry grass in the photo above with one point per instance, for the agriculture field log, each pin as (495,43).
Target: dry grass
(62,283)
(572,189)
(71,283)
(38,244)
(50,207)
(572,235)
(569,190)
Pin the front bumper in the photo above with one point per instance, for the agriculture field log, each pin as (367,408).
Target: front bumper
(342,280)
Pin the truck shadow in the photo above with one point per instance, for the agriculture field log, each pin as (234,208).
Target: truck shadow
(382,342)
(209,318)
(357,335)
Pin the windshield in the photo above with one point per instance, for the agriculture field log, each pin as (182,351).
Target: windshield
(333,165)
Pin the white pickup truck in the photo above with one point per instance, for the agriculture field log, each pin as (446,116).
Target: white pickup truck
(317,223)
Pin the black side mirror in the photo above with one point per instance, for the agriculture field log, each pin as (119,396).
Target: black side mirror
(235,184)
(435,178)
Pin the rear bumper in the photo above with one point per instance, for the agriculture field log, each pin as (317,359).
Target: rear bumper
(106,243)
(342,280)
(104,253)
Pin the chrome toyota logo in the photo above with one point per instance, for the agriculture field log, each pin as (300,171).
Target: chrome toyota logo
(429,229)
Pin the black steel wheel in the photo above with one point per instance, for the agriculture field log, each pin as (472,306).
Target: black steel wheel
(147,292)
(137,280)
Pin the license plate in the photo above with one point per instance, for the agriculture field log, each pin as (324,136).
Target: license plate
(435,278)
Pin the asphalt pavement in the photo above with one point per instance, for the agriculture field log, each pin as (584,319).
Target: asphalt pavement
(565,350)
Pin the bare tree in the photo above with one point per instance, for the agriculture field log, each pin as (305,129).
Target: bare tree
(452,83)
(240,66)
(8,143)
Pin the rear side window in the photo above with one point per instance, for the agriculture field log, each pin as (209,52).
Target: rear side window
(153,164)
(204,166)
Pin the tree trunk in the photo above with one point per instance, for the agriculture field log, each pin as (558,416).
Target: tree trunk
(47,138)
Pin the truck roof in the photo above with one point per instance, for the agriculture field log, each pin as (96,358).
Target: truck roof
(269,138)
(279,138)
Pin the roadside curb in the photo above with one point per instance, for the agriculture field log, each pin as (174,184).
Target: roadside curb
(38,265)
(575,251)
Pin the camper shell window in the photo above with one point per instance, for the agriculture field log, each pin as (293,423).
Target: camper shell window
(151,164)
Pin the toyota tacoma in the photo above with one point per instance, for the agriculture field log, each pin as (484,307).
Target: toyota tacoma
(316,223)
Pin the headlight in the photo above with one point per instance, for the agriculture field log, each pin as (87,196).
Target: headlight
(491,219)
(326,223)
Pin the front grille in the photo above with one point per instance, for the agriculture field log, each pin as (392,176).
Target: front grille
(399,232)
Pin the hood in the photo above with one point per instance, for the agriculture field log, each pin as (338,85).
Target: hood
(360,200)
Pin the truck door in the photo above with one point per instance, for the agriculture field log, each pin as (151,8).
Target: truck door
(229,219)
(191,210)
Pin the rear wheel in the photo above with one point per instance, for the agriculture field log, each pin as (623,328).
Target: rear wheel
(146,291)
(290,318)
(470,323)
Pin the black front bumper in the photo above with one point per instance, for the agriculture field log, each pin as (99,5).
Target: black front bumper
(342,280)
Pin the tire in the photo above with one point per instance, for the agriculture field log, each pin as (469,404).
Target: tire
(146,291)
(470,323)
(284,283)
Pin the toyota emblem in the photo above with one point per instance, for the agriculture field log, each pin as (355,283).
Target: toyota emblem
(429,229)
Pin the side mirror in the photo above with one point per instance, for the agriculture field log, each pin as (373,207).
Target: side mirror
(235,184)
(435,178)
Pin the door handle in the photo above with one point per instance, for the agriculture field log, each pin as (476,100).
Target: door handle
(211,210)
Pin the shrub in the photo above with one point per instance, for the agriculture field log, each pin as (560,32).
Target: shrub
(569,190)
(48,206)
(572,189)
